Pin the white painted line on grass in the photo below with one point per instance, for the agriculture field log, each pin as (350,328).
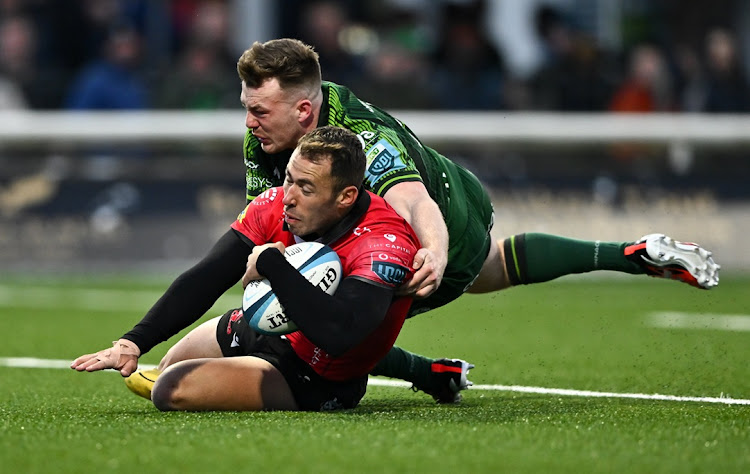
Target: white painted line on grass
(706,321)
(31,362)
(87,299)
(578,393)
(589,393)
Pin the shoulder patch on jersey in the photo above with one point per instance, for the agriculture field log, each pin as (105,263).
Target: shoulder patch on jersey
(382,157)
(389,272)
(241,216)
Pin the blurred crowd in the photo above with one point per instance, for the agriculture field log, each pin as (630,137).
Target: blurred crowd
(399,54)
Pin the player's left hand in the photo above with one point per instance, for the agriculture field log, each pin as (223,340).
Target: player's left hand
(427,276)
(122,356)
(251,272)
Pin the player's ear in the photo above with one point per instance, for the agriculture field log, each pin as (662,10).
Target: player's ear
(304,110)
(347,196)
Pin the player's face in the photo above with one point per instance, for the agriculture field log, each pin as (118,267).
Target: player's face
(310,204)
(273,115)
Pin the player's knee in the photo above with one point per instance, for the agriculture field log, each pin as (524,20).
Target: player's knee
(163,391)
(169,392)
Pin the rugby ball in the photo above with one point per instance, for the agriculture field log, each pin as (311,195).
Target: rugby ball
(315,261)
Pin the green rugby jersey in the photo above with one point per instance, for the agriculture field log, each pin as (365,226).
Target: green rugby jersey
(394,154)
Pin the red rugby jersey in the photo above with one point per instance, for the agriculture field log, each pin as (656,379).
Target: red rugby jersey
(377,246)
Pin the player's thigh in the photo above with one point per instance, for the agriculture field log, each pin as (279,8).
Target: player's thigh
(493,276)
(199,343)
(244,383)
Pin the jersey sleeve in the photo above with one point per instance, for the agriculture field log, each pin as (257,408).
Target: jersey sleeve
(392,150)
(388,160)
(383,259)
(254,222)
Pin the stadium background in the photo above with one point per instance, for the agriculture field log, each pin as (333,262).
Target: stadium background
(130,179)
(82,202)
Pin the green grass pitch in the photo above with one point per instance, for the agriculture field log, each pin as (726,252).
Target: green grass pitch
(574,333)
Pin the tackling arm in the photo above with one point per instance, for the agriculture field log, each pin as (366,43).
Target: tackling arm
(412,202)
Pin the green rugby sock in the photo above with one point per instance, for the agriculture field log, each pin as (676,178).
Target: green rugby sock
(535,257)
(405,365)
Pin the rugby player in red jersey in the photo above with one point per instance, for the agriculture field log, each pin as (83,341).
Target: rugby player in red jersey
(223,364)
(284,97)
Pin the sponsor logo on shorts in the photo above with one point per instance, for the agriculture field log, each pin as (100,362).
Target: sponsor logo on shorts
(233,318)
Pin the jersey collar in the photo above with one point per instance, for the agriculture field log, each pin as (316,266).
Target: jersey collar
(325,108)
(361,205)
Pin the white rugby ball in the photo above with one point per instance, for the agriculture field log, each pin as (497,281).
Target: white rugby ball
(315,261)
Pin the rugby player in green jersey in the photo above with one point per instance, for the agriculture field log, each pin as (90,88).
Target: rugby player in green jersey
(451,212)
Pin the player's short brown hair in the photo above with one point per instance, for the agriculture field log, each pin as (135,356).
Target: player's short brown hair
(342,147)
(293,63)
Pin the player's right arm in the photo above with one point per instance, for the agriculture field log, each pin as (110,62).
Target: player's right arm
(187,299)
(393,174)
(334,323)
(412,202)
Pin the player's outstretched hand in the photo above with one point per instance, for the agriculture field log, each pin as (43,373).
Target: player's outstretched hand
(427,276)
(122,356)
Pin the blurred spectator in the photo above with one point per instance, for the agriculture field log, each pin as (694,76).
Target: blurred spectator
(182,17)
(11,97)
(726,84)
(16,61)
(468,69)
(72,32)
(647,87)
(200,81)
(395,78)
(689,79)
(114,82)
(397,52)
(322,25)
(576,76)
(39,85)
(204,75)
(210,27)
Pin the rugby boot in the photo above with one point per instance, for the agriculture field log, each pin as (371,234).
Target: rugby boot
(447,379)
(141,382)
(663,257)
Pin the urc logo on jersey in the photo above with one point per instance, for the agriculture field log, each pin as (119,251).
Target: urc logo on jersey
(389,272)
(382,161)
